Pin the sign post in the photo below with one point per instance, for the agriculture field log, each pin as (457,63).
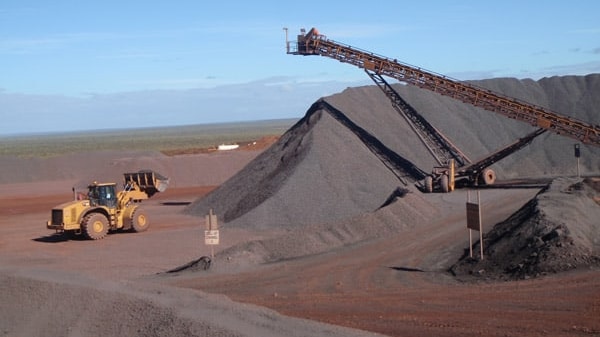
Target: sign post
(577,155)
(211,234)
(474,222)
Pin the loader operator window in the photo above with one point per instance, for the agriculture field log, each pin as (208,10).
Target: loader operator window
(93,195)
(103,196)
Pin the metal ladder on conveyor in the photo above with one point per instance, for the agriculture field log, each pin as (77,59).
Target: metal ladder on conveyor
(399,166)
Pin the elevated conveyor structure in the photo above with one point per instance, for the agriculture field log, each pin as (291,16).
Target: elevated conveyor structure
(449,157)
(442,149)
(313,43)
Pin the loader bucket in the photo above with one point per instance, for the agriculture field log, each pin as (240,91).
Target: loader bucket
(148,181)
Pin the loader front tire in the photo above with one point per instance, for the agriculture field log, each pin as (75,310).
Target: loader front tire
(139,221)
(94,226)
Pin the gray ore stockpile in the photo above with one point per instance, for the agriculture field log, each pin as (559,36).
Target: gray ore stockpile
(555,231)
(352,151)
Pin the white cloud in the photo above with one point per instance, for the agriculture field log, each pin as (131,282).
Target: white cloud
(29,45)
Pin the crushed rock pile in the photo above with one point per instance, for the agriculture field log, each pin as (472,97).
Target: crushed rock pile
(404,211)
(44,304)
(556,231)
(348,156)
(319,171)
(478,132)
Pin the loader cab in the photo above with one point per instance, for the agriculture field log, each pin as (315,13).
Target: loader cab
(103,194)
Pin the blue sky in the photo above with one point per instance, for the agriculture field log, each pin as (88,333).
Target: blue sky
(115,64)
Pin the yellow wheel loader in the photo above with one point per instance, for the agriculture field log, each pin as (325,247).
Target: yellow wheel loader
(103,209)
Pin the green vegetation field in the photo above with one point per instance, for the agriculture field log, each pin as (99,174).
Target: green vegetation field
(151,139)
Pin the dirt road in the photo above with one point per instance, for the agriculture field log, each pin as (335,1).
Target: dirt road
(399,286)
(54,286)
(396,286)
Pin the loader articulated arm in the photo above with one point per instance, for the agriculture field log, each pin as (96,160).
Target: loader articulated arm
(313,43)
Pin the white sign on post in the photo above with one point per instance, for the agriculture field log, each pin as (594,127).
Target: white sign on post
(211,237)
(211,234)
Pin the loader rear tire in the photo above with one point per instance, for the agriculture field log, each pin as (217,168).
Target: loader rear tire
(94,226)
(139,221)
